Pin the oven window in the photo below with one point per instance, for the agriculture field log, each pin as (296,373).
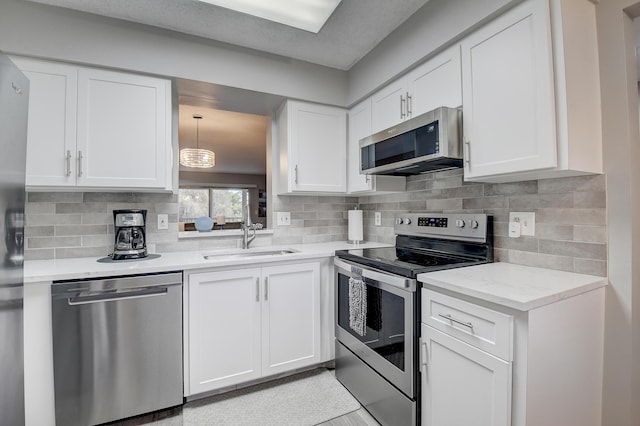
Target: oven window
(384,324)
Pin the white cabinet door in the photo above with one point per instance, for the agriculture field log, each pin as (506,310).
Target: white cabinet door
(123,130)
(359,128)
(389,106)
(508,93)
(51,137)
(462,385)
(224,329)
(436,83)
(313,147)
(290,317)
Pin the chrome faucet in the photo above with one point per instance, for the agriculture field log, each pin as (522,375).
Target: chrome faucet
(247,224)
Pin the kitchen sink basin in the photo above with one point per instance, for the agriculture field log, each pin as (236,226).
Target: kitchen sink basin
(247,254)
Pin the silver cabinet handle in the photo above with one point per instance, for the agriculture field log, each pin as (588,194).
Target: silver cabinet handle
(257,289)
(295,176)
(111,297)
(409,101)
(266,288)
(423,353)
(402,107)
(457,321)
(79,163)
(467,156)
(68,163)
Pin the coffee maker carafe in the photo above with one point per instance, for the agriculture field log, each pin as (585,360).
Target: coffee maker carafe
(130,234)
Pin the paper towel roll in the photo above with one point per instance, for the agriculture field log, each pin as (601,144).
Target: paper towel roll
(355,226)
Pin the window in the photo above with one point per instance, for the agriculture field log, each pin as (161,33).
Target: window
(197,202)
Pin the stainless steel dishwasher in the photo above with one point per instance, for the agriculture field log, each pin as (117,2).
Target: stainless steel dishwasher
(117,347)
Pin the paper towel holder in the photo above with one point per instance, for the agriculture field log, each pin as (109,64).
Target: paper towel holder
(355,226)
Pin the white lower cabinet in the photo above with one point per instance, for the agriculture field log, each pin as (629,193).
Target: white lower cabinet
(244,324)
(462,384)
(484,364)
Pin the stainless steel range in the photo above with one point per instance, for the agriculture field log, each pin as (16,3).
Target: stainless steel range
(377,307)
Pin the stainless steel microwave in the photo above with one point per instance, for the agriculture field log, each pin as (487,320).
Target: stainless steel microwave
(423,144)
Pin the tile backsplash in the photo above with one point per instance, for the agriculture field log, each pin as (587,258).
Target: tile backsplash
(570,225)
(571,232)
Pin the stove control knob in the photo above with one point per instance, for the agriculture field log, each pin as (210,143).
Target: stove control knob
(407,221)
(399,221)
(474,224)
(460,223)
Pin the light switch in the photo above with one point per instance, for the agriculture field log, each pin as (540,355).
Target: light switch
(378,218)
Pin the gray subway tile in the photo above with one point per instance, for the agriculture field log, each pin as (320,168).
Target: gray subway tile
(590,199)
(39,254)
(541,260)
(467,191)
(39,231)
(65,208)
(590,267)
(594,234)
(572,216)
(485,203)
(438,205)
(53,242)
(521,243)
(596,251)
(54,197)
(52,219)
(40,208)
(551,231)
(69,230)
(515,188)
(570,184)
(66,253)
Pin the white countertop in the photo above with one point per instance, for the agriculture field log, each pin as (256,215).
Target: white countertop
(89,267)
(515,286)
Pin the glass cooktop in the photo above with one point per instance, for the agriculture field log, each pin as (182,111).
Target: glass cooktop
(405,262)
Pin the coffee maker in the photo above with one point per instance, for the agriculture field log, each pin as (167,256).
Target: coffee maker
(130,234)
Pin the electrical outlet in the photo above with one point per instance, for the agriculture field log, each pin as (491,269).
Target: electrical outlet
(378,218)
(163,221)
(527,221)
(284,218)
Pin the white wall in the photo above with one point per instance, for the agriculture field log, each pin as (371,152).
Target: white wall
(621,154)
(437,23)
(42,31)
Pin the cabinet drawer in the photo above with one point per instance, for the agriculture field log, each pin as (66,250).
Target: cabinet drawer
(481,327)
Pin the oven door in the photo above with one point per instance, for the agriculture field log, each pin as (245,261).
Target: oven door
(387,344)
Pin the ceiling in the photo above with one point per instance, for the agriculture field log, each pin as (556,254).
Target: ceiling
(239,139)
(355,27)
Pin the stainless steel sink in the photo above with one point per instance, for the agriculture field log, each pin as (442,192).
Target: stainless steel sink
(247,254)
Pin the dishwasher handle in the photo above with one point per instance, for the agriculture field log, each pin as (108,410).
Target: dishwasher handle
(112,297)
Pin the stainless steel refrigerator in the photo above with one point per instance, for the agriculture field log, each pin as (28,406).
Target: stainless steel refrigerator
(14,98)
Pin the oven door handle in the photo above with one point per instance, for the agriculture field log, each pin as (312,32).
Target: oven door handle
(398,281)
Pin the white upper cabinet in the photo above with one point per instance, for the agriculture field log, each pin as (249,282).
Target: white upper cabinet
(520,74)
(435,83)
(51,137)
(360,127)
(91,128)
(124,130)
(312,149)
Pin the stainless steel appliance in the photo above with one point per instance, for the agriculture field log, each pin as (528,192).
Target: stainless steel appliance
(378,309)
(117,347)
(14,98)
(130,234)
(429,142)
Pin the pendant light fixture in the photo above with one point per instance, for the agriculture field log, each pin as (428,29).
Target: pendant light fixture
(197,157)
